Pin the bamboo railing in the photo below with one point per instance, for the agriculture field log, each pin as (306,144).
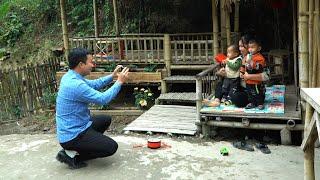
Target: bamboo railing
(22,89)
(205,86)
(186,48)
(128,49)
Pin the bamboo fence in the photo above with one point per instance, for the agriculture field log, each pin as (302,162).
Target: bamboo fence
(22,89)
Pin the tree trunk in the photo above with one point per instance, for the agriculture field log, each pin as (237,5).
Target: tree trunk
(64,27)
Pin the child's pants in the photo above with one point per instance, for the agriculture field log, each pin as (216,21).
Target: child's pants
(230,85)
(256,93)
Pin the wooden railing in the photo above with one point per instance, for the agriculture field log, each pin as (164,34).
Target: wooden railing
(312,130)
(205,86)
(22,89)
(186,48)
(127,49)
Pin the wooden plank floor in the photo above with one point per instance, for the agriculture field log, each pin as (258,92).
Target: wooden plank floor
(167,119)
(290,110)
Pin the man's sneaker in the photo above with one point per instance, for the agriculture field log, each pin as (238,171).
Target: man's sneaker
(71,162)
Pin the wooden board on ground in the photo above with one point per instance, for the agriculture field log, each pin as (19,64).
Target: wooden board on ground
(166,119)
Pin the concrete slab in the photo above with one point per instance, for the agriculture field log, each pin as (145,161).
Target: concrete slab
(33,157)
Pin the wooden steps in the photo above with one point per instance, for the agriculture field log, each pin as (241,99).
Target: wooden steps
(178,97)
(180,79)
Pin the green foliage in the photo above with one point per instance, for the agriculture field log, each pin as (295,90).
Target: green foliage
(4,9)
(80,15)
(16,111)
(10,30)
(49,98)
(110,67)
(150,68)
(144,98)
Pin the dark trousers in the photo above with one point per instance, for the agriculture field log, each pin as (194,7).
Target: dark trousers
(229,87)
(91,143)
(256,93)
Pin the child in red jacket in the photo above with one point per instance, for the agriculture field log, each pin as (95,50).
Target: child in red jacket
(255,63)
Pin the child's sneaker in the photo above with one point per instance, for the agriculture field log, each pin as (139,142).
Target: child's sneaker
(223,100)
(250,106)
(261,107)
(228,103)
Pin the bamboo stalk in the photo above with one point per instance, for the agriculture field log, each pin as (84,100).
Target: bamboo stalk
(223,25)
(315,60)
(311,7)
(317,40)
(228,29)
(167,53)
(215,28)
(303,44)
(95,19)
(236,16)
(64,27)
(294,24)
(115,13)
(303,72)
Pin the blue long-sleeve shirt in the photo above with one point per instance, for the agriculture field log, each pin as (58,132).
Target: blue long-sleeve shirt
(74,95)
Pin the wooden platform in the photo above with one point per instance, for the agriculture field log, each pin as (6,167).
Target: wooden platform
(166,119)
(291,111)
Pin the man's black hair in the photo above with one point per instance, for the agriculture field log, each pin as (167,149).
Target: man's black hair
(76,56)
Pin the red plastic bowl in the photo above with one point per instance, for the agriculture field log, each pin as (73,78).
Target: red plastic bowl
(154,143)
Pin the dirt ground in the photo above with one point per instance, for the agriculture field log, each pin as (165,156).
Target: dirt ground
(28,152)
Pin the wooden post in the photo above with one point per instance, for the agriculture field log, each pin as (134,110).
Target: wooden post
(115,13)
(167,53)
(64,27)
(215,28)
(95,19)
(198,97)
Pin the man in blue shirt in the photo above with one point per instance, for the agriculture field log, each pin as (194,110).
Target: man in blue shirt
(76,129)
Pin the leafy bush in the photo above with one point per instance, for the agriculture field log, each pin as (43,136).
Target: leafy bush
(144,98)
(49,98)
